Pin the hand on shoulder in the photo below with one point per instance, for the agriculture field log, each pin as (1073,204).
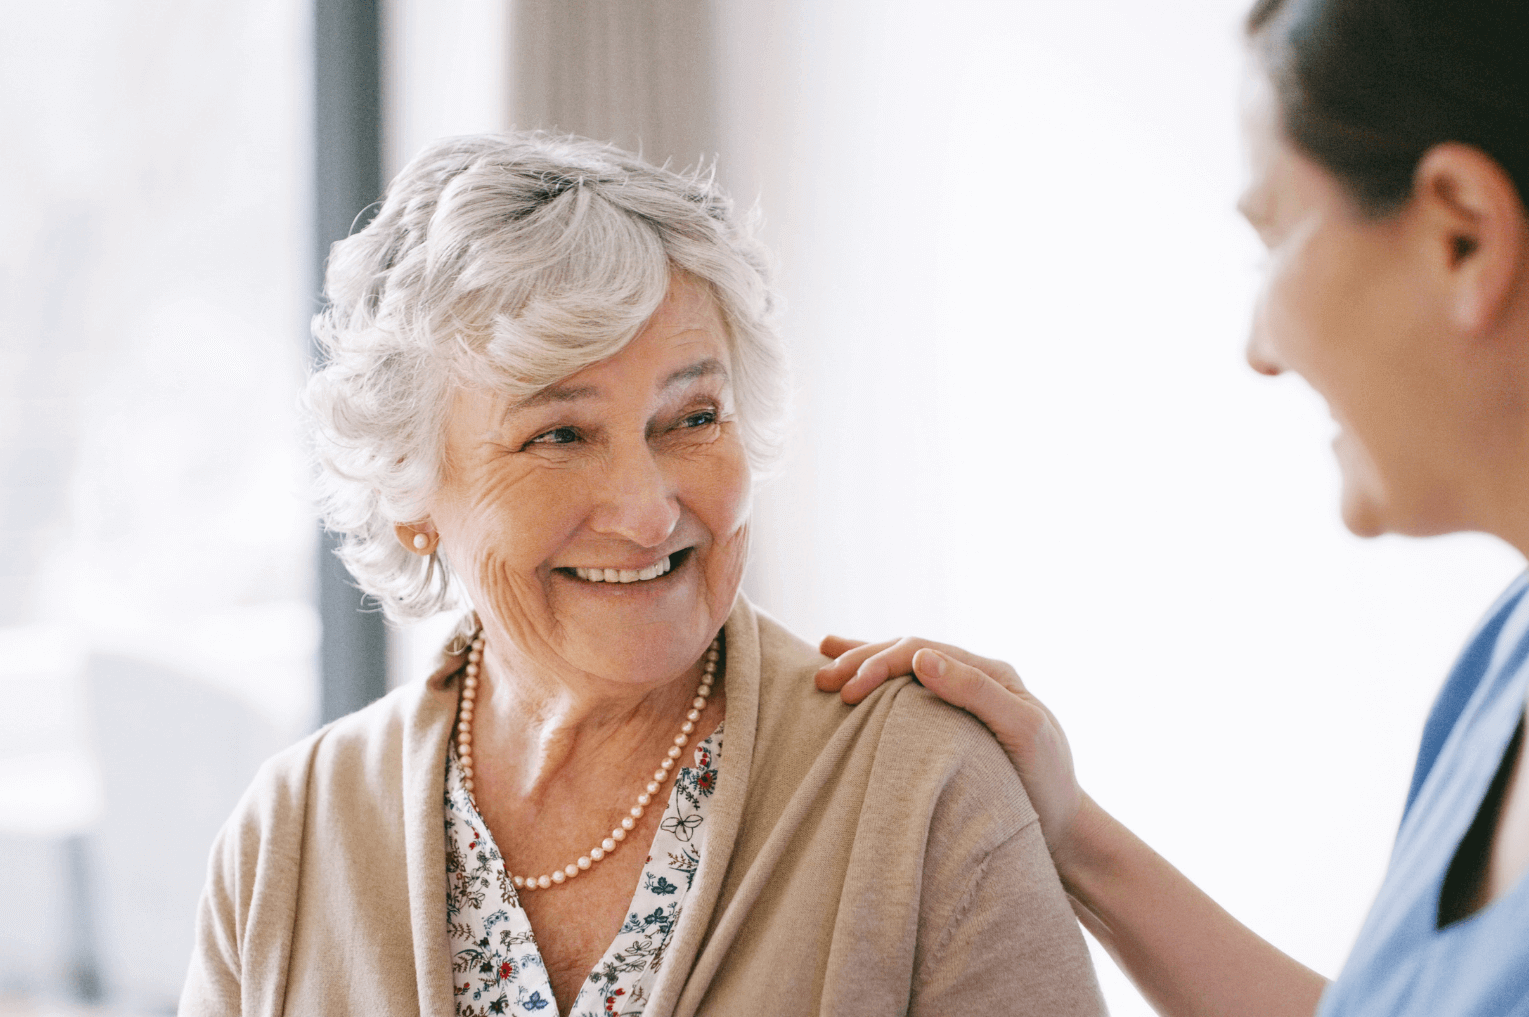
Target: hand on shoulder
(988,689)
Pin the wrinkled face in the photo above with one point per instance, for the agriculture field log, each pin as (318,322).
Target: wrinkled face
(600,525)
(1346,304)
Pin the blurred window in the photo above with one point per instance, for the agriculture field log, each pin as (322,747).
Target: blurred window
(157,638)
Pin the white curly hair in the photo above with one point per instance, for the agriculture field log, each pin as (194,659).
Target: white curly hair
(512,260)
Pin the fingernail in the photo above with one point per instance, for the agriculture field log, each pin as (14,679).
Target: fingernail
(934,664)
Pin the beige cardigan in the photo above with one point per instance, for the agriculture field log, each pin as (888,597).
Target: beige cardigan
(881,859)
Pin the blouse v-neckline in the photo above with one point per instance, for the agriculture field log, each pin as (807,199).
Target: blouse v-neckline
(1403,960)
(496,965)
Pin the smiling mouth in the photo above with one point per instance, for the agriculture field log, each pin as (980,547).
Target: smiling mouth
(657,570)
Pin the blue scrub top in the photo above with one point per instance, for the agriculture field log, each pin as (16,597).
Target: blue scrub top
(1403,964)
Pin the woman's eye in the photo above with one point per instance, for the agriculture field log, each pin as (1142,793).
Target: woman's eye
(556,436)
(703,418)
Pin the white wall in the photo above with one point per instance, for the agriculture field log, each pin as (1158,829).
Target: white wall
(1018,298)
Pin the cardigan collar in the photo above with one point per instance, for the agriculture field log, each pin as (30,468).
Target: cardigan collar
(426,738)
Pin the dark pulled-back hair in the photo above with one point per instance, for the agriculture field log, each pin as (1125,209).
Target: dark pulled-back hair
(1367,87)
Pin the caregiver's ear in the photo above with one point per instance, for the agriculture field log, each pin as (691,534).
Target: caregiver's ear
(419,538)
(1475,222)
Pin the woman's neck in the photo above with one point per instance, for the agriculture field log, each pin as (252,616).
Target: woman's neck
(1503,509)
(533,721)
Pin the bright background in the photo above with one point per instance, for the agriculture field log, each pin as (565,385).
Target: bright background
(157,633)
(1017,296)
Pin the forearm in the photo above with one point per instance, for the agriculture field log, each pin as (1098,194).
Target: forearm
(1188,956)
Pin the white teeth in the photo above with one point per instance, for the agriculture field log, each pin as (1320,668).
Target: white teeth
(653,571)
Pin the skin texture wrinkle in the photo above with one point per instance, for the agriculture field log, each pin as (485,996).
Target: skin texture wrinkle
(627,462)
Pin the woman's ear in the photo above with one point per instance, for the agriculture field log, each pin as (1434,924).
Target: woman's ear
(1473,210)
(420,538)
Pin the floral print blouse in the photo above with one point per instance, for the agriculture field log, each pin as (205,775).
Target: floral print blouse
(495,965)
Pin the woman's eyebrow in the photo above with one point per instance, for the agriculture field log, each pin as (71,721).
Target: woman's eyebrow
(554,394)
(700,369)
(572,393)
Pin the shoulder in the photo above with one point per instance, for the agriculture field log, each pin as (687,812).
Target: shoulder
(796,721)
(1497,649)
(980,791)
(345,777)
(1494,635)
(303,799)
(356,760)
(918,748)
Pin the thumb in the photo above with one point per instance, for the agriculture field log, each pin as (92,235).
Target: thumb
(969,688)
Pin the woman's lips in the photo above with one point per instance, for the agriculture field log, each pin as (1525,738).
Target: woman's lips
(596,574)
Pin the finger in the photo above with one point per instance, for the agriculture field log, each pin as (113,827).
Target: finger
(885,661)
(890,660)
(1000,671)
(835,646)
(832,676)
(960,684)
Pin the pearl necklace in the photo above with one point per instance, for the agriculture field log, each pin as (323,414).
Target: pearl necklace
(558,877)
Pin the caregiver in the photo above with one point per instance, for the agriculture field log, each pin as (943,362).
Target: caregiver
(1389,144)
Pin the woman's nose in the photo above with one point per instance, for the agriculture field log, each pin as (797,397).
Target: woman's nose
(639,504)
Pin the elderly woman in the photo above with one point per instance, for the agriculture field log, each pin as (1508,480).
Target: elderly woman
(550,382)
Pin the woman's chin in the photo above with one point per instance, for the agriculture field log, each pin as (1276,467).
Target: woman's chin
(642,633)
(1363,509)
(1360,503)
(640,660)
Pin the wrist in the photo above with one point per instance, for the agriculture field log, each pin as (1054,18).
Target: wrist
(1078,848)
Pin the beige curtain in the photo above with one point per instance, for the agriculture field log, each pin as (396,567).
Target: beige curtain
(638,73)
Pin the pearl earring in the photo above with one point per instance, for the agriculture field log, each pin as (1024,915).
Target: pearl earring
(421,542)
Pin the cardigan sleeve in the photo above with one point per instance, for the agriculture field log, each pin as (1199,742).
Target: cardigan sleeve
(212,983)
(1011,944)
(245,915)
(996,933)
